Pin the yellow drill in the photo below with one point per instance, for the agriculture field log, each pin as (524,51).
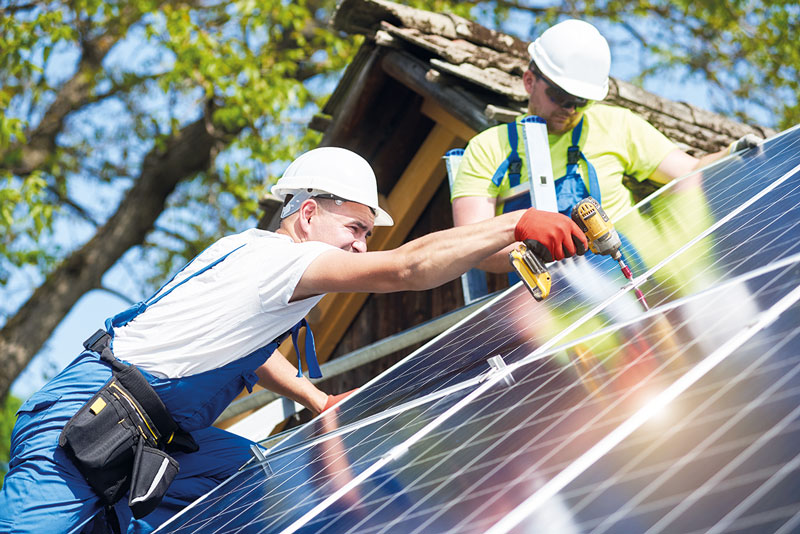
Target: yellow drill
(531,270)
(599,230)
(600,233)
(603,239)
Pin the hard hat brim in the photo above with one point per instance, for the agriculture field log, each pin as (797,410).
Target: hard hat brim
(382,218)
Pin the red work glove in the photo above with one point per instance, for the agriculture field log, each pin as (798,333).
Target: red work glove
(555,236)
(333,399)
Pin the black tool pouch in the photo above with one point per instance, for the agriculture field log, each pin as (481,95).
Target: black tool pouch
(115,438)
(101,440)
(153,471)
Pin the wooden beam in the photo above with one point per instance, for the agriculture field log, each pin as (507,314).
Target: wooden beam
(353,95)
(408,199)
(412,72)
(441,116)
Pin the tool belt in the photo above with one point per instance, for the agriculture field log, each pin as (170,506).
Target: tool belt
(119,439)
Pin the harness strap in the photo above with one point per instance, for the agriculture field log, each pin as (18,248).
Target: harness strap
(574,154)
(310,353)
(512,164)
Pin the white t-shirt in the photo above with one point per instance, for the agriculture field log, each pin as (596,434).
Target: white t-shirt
(225,313)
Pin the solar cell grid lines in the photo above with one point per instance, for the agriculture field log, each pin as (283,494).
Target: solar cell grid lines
(681,213)
(606,418)
(513,440)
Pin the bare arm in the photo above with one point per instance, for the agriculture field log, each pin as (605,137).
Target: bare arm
(469,210)
(278,375)
(678,163)
(420,264)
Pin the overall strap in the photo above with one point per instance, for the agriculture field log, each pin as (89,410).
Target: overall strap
(310,353)
(513,163)
(574,154)
(126,316)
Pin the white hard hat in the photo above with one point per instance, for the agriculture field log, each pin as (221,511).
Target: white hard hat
(334,171)
(574,56)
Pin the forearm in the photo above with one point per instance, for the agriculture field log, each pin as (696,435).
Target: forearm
(442,256)
(469,210)
(280,376)
(497,262)
(439,257)
(708,159)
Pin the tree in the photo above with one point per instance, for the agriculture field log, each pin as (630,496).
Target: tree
(200,81)
(181,108)
(743,51)
(174,114)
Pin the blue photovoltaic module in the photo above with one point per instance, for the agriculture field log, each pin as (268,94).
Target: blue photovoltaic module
(599,416)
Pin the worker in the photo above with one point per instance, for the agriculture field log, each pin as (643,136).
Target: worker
(593,146)
(180,357)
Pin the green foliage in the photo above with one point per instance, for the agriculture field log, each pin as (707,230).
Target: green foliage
(130,75)
(8,417)
(745,51)
(133,74)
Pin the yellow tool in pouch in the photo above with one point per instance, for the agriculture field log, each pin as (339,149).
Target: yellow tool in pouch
(97,406)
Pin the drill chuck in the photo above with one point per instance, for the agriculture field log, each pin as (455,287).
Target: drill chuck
(592,219)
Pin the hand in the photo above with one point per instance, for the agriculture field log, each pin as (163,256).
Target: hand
(744,142)
(334,399)
(557,235)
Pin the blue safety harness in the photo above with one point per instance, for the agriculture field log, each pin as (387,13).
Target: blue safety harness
(570,188)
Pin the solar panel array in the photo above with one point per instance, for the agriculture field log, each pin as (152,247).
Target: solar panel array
(598,416)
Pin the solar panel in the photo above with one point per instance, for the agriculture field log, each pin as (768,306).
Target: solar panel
(600,417)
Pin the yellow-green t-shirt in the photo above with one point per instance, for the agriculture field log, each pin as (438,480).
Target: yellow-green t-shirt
(616,141)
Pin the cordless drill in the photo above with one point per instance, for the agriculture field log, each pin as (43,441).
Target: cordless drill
(600,233)
(603,238)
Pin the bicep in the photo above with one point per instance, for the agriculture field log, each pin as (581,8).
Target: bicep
(674,165)
(468,210)
(337,271)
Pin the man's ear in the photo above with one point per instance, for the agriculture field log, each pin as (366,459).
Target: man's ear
(528,80)
(307,210)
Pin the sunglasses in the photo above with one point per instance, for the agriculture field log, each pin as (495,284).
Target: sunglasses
(559,96)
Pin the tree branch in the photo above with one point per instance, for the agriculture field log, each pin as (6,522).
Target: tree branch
(116,293)
(78,209)
(188,152)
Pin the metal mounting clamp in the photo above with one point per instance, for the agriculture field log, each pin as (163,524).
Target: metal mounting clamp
(260,458)
(498,365)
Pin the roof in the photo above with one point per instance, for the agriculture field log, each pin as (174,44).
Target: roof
(482,68)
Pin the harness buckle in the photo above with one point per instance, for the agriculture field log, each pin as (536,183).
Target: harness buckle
(97,341)
(573,155)
(515,167)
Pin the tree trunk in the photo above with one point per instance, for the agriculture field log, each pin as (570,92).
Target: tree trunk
(187,153)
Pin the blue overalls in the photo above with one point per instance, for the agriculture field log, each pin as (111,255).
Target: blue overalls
(44,492)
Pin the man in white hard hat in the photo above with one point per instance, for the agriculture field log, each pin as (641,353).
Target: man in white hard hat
(593,146)
(181,356)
